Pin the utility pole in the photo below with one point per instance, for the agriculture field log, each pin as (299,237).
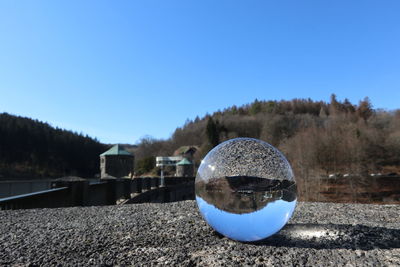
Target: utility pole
(162,176)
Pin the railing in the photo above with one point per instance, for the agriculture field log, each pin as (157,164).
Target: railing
(9,187)
(45,199)
(177,192)
(104,192)
(19,187)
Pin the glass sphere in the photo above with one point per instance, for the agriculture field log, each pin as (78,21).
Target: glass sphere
(245,189)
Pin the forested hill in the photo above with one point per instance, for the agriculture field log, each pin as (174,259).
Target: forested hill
(318,138)
(32,149)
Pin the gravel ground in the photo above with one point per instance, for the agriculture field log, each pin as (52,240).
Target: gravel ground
(319,234)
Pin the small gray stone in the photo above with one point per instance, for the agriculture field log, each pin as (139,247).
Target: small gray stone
(319,234)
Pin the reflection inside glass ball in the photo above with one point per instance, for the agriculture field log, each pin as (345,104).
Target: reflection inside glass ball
(245,189)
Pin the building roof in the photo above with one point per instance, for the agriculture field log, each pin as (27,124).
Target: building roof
(186,149)
(116,150)
(184,162)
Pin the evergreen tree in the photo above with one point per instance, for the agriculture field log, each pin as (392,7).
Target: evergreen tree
(212,132)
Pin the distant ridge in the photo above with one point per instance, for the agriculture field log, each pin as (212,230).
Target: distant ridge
(318,138)
(33,149)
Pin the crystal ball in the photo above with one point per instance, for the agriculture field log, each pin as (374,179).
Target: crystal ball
(245,189)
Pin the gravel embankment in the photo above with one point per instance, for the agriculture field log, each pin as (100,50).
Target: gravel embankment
(319,234)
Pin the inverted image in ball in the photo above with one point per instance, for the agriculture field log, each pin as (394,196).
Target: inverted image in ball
(245,189)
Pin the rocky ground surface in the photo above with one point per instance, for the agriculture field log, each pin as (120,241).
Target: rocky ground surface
(319,234)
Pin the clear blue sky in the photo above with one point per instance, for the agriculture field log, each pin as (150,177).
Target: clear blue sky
(120,70)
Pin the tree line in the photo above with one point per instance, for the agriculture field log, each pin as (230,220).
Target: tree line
(31,149)
(318,138)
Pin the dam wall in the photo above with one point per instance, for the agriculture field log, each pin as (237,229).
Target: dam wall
(69,193)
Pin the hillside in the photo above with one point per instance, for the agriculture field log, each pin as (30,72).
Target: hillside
(318,138)
(33,149)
